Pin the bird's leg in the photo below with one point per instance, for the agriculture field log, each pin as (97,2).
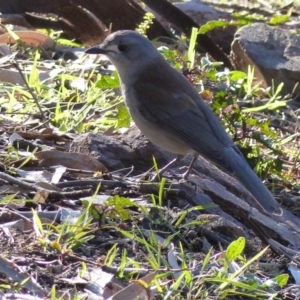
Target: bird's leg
(187,173)
(166,167)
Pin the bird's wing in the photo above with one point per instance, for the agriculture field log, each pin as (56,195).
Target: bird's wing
(190,120)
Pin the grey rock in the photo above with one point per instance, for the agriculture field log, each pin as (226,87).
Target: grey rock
(274,52)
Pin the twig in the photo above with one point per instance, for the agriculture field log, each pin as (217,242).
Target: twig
(96,114)
(18,182)
(92,182)
(35,188)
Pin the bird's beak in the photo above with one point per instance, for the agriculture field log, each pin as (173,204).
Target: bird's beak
(96,50)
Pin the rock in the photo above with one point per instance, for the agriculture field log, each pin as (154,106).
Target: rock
(274,52)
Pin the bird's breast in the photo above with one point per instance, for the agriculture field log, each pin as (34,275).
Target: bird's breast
(152,130)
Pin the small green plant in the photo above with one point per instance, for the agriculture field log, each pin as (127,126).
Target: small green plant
(243,18)
(192,46)
(145,25)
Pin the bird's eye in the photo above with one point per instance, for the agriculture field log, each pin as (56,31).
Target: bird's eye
(122,48)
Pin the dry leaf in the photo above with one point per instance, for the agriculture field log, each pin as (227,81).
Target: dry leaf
(70,160)
(29,37)
(135,290)
(41,196)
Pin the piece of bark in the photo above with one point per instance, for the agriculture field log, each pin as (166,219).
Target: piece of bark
(222,226)
(178,18)
(83,19)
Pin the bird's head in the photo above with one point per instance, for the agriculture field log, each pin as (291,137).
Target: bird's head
(128,50)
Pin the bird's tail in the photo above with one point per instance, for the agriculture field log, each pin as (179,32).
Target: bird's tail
(243,172)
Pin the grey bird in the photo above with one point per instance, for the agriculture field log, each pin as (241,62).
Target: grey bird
(169,111)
